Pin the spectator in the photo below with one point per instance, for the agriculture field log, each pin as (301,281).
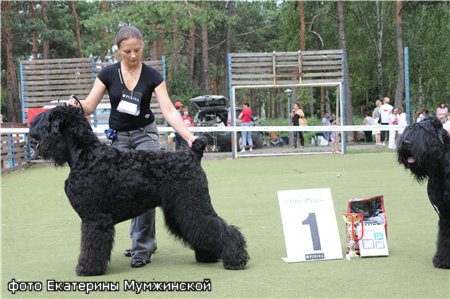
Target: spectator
(275,139)
(180,143)
(441,111)
(296,114)
(376,116)
(421,114)
(186,119)
(335,136)
(368,121)
(326,122)
(401,121)
(385,113)
(246,121)
(446,124)
(393,121)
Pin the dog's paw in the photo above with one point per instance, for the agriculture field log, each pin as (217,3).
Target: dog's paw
(234,266)
(84,271)
(441,262)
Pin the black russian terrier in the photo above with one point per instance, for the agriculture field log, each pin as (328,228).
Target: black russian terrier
(424,149)
(107,186)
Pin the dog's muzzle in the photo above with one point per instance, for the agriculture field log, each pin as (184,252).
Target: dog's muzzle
(405,148)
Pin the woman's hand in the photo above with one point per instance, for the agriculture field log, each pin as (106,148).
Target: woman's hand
(191,140)
(73,102)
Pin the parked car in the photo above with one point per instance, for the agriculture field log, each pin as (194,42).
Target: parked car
(214,111)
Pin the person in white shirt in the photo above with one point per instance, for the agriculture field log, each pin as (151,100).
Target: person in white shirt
(368,121)
(385,113)
(376,121)
(392,130)
(446,124)
(400,119)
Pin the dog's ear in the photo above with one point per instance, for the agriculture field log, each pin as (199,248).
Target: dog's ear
(56,124)
(56,120)
(436,122)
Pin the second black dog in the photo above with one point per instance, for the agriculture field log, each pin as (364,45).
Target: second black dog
(106,186)
(424,148)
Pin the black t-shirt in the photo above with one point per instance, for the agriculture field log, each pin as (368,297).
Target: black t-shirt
(150,78)
(295,119)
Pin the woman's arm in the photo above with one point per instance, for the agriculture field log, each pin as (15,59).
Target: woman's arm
(91,102)
(172,116)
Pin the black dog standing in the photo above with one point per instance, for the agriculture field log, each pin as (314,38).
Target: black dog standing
(424,148)
(106,186)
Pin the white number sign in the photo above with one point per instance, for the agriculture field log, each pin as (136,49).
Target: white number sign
(309,225)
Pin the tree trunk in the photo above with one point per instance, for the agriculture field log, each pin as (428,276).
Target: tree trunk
(45,41)
(157,45)
(77,28)
(420,61)
(301,15)
(399,91)
(327,101)
(322,101)
(191,55)
(104,33)
(342,43)
(205,58)
(379,48)
(176,46)
(421,92)
(273,99)
(35,36)
(230,7)
(12,92)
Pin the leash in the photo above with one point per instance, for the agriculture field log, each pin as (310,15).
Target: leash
(79,102)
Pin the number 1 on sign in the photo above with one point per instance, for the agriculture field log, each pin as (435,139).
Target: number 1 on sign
(312,222)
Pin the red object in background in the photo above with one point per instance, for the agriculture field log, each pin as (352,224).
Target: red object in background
(32,112)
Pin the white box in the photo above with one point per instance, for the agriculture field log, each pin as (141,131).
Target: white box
(374,242)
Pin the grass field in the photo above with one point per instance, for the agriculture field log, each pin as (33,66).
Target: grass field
(40,233)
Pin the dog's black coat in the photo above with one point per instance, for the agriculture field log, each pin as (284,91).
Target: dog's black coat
(424,149)
(107,186)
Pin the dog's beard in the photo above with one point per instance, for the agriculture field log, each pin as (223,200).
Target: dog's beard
(412,159)
(57,153)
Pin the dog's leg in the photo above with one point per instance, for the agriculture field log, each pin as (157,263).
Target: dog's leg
(97,239)
(217,240)
(210,237)
(442,257)
(234,253)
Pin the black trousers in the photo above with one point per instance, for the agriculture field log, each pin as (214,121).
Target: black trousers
(384,135)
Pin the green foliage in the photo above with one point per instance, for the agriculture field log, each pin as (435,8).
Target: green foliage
(182,90)
(3,105)
(256,26)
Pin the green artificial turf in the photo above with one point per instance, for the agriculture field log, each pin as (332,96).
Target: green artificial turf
(40,234)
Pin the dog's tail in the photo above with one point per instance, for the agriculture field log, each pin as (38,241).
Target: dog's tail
(199,145)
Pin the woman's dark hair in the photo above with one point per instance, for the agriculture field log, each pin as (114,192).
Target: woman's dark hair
(126,33)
